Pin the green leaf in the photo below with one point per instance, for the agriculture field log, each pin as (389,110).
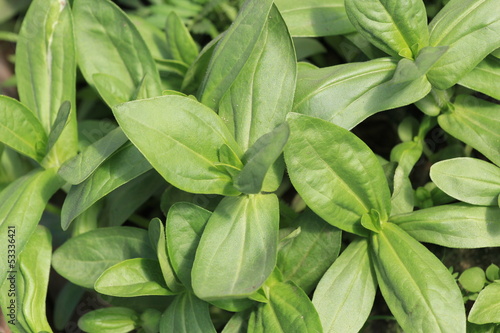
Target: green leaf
(184,227)
(181,45)
(112,90)
(109,320)
(475,122)
(306,257)
(65,304)
(259,158)
(238,323)
(238,248)
(347,94)
(473,279)
(345,294)
(493,272)
(409,70)
(152,36)
(21,130)
(104,28)
(485,77)
(125,165)
(288,310)
(486,309)
(158,240)
(335,173)
(59,125)
(456,225)
(315,18)
(46,70)
(162,129)
(82,259)
(187,314)
(21,206)
(395,27)
(471,28)
(468,179)
(131,278)
(418,288)
(80,167)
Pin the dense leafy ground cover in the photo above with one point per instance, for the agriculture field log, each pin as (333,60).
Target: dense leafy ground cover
(266,166)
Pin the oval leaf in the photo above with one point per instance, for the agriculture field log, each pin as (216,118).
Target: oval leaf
(186,314)
(109,320)
(486,308)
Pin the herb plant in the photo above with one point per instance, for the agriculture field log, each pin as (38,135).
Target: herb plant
(222,189)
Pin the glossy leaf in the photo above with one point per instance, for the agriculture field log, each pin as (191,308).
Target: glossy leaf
(315,18)
(467,179)
(82,259)
(187,314)
(123,166)
(184,227)
(347,94)
(485,77)
(418,288)
(238,248)
(181,45)
(80,167)
(471,29)
(21,206)
(21,130)
(233,51)
(46,69)
(395,27)
(335,173)
(306,257)
(131,278)
(162,130)
(102,27)
(457,225)
(486,308)
(475,122)
(109,320)
(289,309)
(345,294)
(259,158)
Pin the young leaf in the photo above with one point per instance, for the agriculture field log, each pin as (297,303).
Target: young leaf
(409,70)
(80,167)
(484,77)
(306,257)
(398,28)
(125,165)
(46,69)
(418,288)
(345,294)
(162,129)
(237,251)
(21,206)
(347,94)
(473,279)
(21,130)
(186,314)
(184,227)
(468,179)
(486,308)
(181,45)
(131,278)
(82,259)
(109,320)
(238,323)
(288,310)
(103,27)
(259,158)
(456,225)
(241,39)
(471,28)
(335,173)
(59,125)
(315,18)
(475,122)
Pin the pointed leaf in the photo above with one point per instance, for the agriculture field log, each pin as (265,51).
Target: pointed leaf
(181,45)
(187,314)
(21,130)
(162,129)
(238,248)
(486,308)
(456,226)
(59,124)
(335,173)
(418,288)
(345,294)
